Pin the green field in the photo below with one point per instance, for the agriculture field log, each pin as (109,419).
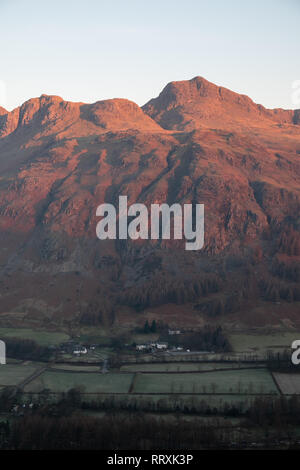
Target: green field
(96,356)
(13,374)
(10,360)
(231,381)
(95,339)
(140,338)
(43,338)
(92,382)
(261,343)
(183,367)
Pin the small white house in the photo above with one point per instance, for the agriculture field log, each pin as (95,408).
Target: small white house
(141,347)
(80,350)
(161,345)
(174,332)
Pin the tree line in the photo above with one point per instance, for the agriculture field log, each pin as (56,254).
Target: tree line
(26,349)
(60,426)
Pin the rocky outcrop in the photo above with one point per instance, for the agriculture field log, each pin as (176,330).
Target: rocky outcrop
(190,104)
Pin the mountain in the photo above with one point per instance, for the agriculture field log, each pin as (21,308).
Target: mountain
(190,104)
(195,142)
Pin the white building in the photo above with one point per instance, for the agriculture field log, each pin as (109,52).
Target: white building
(141,347)
(79,351)
(174,332)
(161,345)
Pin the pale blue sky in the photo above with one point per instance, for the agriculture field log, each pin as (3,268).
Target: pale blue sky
(91,50)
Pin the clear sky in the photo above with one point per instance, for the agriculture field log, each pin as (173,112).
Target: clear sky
(93,49)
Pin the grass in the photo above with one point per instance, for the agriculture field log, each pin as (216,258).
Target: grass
(93,356)
(231,381)
(261,343)
(237,381)
(95,339)
(11,360)
(140,338)
(94,335)
(13,374)
(91,383)
(43,338)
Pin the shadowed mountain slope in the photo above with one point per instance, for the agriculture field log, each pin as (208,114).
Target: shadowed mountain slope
(195,143)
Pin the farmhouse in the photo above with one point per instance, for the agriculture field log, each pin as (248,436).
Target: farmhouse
(174,332)
(80,350)
(161,345)
(141,347)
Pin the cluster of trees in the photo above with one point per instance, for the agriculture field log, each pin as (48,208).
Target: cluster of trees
(152,327)
(221,306)
(279,412)
(60,426)
(193,405)
(162,290)
(149,328)
(42,432)
(8,397)
(289,272)
(274,291)
(26,349)
(111,265)
(98,312)
(281,362)
(289,242)
(207,339)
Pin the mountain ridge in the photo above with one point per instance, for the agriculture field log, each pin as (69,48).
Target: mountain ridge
(178,98)
(49,109)
(177,94)
(60,160)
